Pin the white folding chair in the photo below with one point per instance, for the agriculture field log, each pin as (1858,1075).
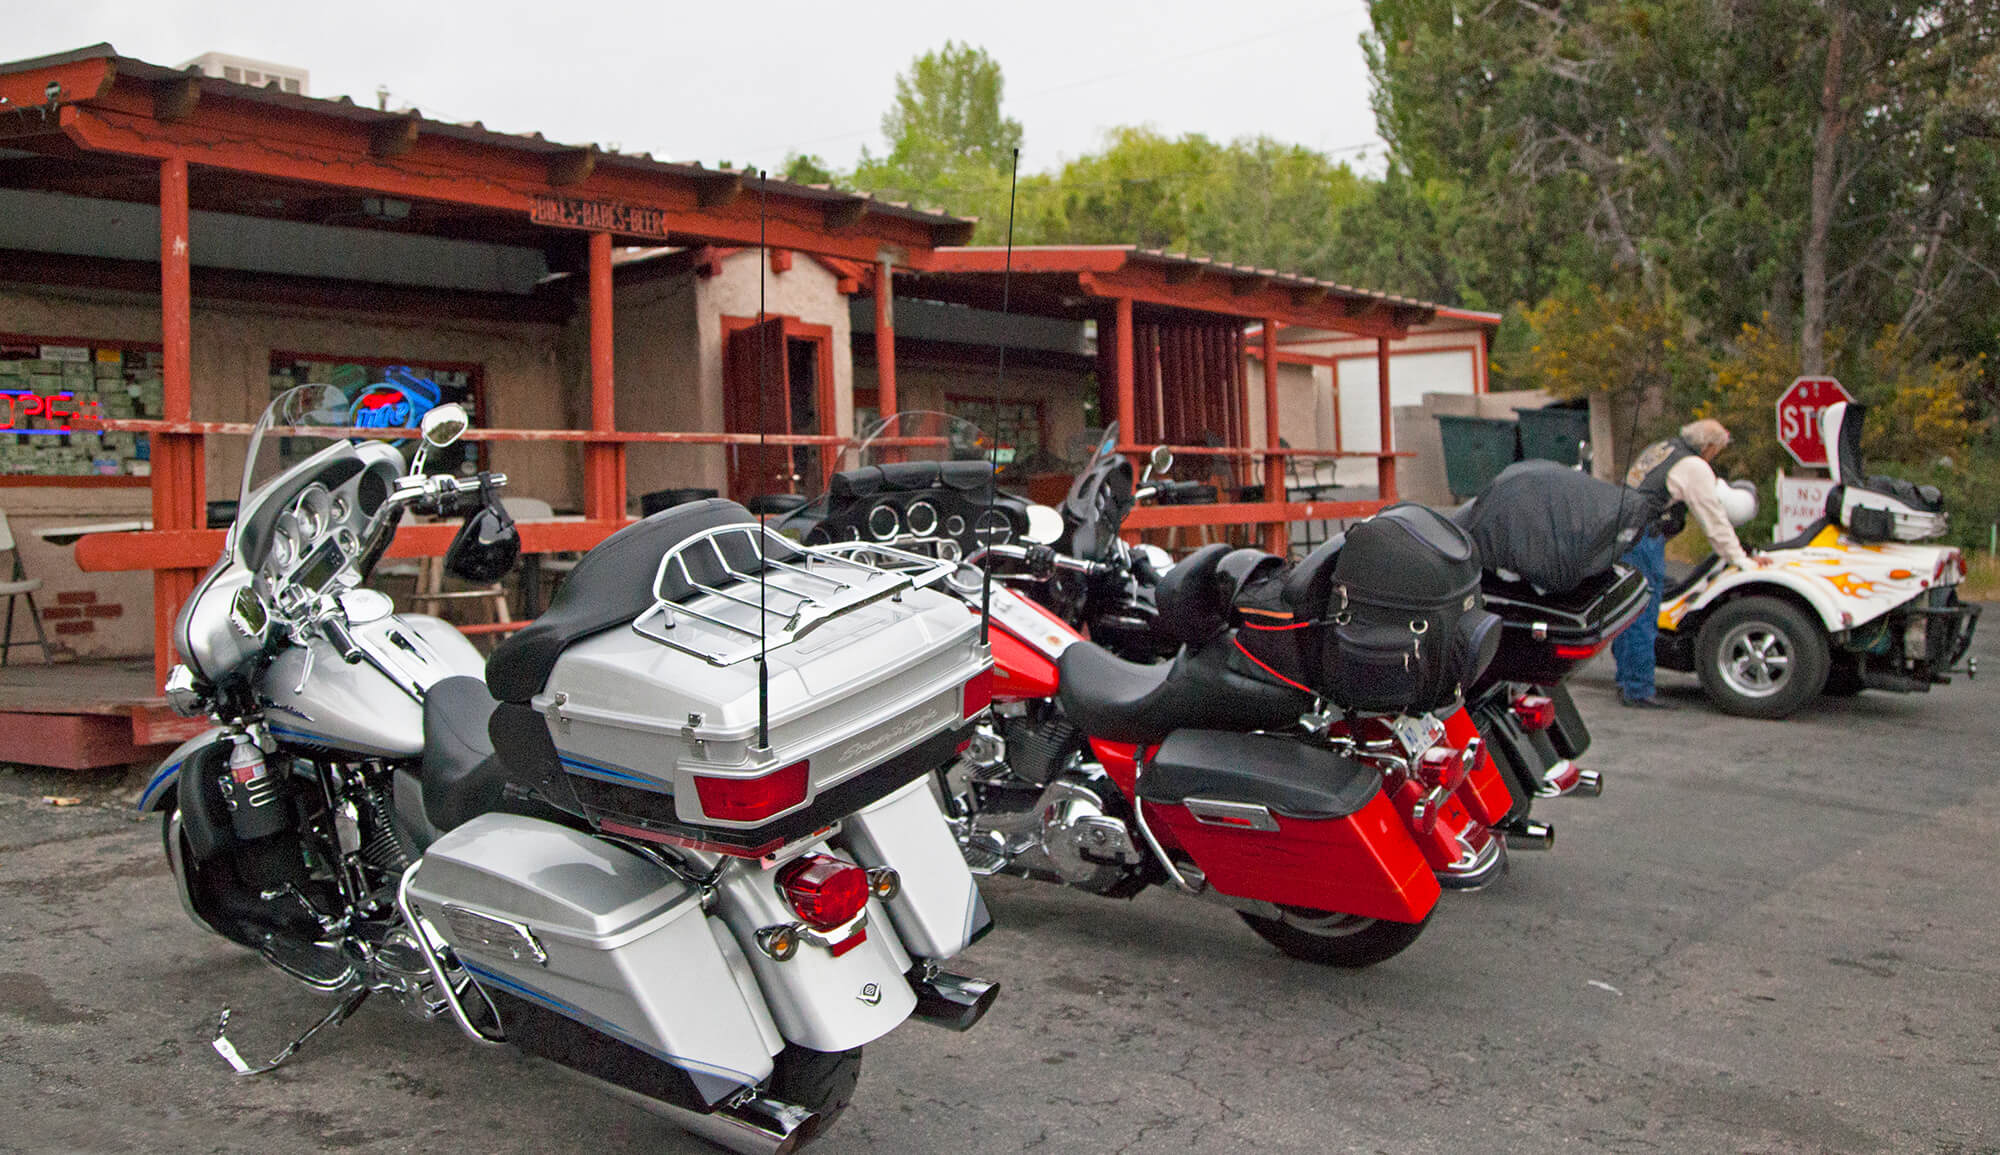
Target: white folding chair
(20,586)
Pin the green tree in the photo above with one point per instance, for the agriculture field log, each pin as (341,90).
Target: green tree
(806,168)
(949,143)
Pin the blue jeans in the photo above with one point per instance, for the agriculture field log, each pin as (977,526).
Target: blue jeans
(1633,649)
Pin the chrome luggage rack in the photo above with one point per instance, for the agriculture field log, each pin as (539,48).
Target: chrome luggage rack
(751,620)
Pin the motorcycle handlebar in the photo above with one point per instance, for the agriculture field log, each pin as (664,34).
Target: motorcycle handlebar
(1039,557)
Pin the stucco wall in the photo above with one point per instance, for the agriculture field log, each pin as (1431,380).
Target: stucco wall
(658,373)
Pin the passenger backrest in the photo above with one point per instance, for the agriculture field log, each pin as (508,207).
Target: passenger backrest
(612,585)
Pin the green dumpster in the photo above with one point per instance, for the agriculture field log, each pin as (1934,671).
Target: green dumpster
(1554,433)
(1475,450)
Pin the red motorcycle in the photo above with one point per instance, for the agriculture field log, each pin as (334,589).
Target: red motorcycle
(1258,775)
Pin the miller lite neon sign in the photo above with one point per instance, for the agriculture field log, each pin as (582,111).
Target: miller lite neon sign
(397,402)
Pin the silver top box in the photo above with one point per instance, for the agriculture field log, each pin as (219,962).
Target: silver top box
(863,662)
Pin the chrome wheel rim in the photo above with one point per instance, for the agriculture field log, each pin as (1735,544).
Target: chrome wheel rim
(1755,660)
(1324,923)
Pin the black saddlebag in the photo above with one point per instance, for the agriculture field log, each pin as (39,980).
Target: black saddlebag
(1386,619)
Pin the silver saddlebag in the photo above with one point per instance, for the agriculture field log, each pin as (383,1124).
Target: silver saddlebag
(569,923)
(937,910)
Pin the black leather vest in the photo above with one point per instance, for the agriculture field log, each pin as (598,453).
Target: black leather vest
(1648,477)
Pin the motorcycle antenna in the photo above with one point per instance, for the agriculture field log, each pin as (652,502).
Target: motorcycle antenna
(999,386)
(763,462)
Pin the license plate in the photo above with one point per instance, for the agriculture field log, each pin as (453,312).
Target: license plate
(1417,734)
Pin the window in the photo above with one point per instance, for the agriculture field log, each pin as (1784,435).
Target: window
(45,381)
(1016,427)
(394,392)
(232,74)
(292,85)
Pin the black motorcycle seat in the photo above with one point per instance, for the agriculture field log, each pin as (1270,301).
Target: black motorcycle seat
(462,777)
(1191,606)
(1287,776)
(612,585)
(1120,701)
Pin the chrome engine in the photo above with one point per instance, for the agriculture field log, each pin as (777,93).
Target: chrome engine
(1068,830)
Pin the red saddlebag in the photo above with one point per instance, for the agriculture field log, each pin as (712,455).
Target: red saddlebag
(1270,818)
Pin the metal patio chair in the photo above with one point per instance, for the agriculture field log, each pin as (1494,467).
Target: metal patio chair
(20,586)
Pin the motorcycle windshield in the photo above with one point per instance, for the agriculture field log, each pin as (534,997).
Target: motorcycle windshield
(295,425)
(1099,498)
(918,435)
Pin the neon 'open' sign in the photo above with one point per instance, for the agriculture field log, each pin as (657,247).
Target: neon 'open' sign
(22,406)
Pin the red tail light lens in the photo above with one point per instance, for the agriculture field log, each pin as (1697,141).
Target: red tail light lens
(1446,766)
(749,799)
(823,890)
(1536,711)
(979,692)
(1577,653)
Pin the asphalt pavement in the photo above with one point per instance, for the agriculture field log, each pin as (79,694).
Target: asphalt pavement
(1763,937)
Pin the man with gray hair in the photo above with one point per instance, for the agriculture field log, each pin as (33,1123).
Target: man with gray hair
(1672,477)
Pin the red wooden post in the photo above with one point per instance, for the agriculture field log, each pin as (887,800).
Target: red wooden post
(179,480)
(1277,534)
(603,461)
(885,340)
(1385,466)
(1122,339)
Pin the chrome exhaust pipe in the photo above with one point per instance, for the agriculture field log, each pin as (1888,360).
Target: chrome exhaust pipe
(753,1125)
(1528,834)
(953,1001)
(1589,784)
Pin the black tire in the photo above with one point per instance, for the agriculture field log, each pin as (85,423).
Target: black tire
(1761,657)
(820,1081)
(1336,940)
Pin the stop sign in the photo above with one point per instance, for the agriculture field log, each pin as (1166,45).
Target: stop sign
(1798,417)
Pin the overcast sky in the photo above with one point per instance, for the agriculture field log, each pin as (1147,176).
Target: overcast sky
(749,82)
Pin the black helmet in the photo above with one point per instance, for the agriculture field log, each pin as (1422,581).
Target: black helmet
(487,546)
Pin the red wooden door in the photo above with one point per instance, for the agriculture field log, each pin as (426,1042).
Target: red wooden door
(755,392)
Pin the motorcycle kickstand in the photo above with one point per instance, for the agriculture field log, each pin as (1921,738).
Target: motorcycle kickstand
(332,1018)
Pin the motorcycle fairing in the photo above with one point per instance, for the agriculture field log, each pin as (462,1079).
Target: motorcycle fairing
(161,789)
(1846,582)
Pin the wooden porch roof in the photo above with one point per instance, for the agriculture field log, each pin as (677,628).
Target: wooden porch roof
(95,123)
(1077,281)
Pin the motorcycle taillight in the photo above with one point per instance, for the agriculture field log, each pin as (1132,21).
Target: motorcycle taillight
(1447,766)
(749,799)
(824,891)
(1570,653)
(979,692)
(1535,711)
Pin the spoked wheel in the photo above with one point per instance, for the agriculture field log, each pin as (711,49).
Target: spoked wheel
(822,1082)
(1761,658)
(1333,939)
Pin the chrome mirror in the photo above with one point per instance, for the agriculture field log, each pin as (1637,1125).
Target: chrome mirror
(1160,460)
(444,425)
(1045,525)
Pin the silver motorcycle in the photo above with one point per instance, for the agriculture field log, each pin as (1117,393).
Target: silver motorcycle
(675,836)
